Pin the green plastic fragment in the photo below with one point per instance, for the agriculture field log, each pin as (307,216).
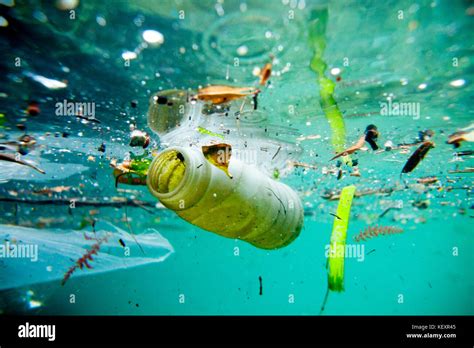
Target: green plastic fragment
(317,41)
(338,240)
(140,166)
(208,132)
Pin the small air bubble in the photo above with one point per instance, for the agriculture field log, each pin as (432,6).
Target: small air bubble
(101,21)
(457,83)
(422,86)
(242,50)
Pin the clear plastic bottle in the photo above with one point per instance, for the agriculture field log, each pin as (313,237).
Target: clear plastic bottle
(249,206)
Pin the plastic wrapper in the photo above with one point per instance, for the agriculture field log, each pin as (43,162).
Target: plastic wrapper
(36,256)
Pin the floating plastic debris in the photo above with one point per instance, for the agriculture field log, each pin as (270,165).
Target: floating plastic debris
(336,255)
(9,3)
(222,94)
(266,72)
(219,156)
(461,171)
(30,300)
(67,4)
(317,41)
(371,135)
(208,132)
(465,134)
(46,82)
(50,190)
(417,156)
(60,246)
(357,146)
(225,206)
(12,158)
(139,138)
(427,180)
(422,204)
(303,165)
(131,172)
(3,22)
(338,240)
(33,109)
(23,145)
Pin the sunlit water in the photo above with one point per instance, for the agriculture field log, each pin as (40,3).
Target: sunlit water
(405,51)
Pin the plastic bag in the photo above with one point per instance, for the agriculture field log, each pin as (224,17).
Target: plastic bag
(29,256)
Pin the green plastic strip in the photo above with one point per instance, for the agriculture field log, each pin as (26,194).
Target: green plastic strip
(338,240)
(317,41)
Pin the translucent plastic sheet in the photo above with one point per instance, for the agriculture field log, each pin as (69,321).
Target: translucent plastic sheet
(254,138)
(36,255)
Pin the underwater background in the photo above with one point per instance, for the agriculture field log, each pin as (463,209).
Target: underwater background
(418,52)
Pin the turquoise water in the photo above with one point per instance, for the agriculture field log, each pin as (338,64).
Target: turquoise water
(422,55)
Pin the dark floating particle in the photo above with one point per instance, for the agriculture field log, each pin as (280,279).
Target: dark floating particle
(417,156)
(261,286)
(139,138)
(134,103)
(421,204)
(33,109)
(385,212)
(122,243)
(101,148)
(465,153)
(21,126)
(276,153)
(335,216)
(370,252)
(371,135)
(89,119)
(425,135)
(65,134)
(161,100)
